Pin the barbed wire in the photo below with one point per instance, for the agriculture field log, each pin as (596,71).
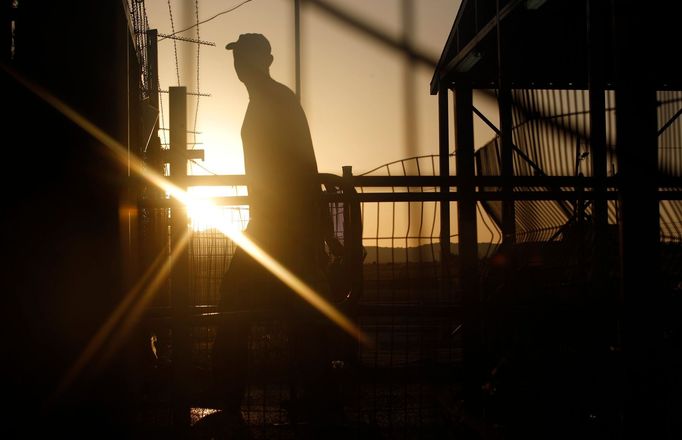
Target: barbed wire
(196,109)
(209,19)
(175,44)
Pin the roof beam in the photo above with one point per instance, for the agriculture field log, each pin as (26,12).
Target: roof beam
(441,72)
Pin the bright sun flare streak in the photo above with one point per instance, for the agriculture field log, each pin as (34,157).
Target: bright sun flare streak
(127,312)
(213,215)
(120,153)
(203,219)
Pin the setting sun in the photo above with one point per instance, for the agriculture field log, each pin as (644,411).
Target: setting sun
(205,212)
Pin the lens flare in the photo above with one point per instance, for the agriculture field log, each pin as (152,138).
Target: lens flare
(135,301)
(280,271)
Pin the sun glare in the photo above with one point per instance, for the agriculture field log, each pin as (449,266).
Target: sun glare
(211,216)
(205,211)
(202,210)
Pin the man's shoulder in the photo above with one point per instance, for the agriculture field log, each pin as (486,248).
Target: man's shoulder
(275,100)
(281,92)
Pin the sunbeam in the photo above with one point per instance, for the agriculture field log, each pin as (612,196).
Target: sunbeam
(136,299)
(127,312)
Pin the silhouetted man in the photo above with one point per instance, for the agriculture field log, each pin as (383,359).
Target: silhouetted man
(285,221)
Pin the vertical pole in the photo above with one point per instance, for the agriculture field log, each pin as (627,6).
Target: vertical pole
(507,165)
(153,155)
(595,35)
(506,140)
(444,166)
(468,238)
(353,231)
(179,272)
(409,80)
(637,148)
(157,235)
(297,42)
(639,233)
(600,321)
(153,68)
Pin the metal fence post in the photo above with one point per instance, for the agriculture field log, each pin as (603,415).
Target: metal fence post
(180,267)
(468,239)
(353,229)
(444,168)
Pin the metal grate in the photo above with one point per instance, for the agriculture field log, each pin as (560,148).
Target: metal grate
(403,386)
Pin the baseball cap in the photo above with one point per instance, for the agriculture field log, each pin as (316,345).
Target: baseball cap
(254,44)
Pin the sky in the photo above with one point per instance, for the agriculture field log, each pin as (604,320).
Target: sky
(354,89)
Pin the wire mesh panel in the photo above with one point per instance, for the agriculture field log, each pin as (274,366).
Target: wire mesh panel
(408,309)
(670,160)
(550,135)
(670,165)
(403,384)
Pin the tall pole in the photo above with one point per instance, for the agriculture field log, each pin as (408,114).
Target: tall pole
(600,327)
(637,149)
(180,267)
(596,22)
(153,154)
(468,238)
(409,81)
(444,165)
(506,140)
(297,42)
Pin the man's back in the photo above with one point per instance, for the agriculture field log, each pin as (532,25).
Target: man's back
(284,192)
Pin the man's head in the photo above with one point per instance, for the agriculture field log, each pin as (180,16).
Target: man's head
(252,57)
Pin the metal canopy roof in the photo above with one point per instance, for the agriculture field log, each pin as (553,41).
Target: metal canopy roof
(544,43)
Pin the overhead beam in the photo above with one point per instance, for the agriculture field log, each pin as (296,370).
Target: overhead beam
(442,72)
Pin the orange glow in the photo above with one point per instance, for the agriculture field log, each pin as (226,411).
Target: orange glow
(212,212)
(138,297)
(202,218)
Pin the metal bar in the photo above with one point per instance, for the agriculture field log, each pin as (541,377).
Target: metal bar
(188,131)
(478,113)
(644,411)
(452,181)
(210,316)
(352,226)
(207,316)
(190,94)
(532,126)
(189,40)
(468,239)
(218,201)
(180,268)
(153,147)
(597,134)
(167,156)
(487,181)
(507,165)
(217,180)
(549,195)
(527,159)
(543,194)
(670,122)
(444,169)
(471,45)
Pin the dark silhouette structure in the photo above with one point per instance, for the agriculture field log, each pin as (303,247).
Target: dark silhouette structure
(583,184)
(68,255)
